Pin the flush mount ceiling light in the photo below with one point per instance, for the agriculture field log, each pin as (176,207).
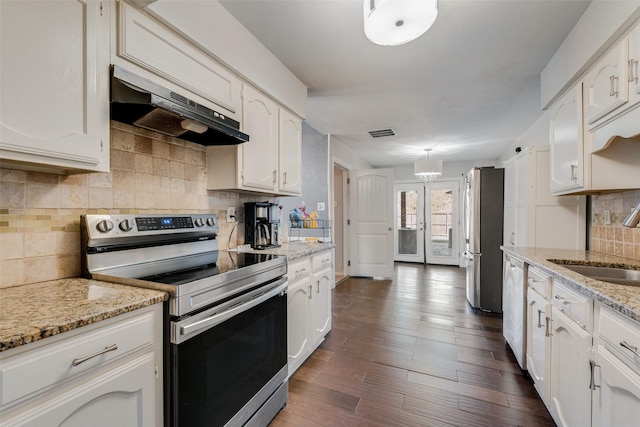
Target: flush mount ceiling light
(395,22)
(426,169)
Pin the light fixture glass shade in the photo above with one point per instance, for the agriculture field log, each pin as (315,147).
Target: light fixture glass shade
(427,169)
(395,22)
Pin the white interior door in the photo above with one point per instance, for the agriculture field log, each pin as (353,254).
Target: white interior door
(442,225)
(409,222)
(371,223)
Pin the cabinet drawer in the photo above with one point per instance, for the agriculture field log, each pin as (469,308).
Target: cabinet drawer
(622,334)
(38,370)
(321,261)
(539,281)
(298,270)
(575,305)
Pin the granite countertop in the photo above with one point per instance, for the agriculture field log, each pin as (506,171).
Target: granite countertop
(622,298)
(294,250)
(32,312)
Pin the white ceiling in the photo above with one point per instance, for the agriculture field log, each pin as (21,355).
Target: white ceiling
(467,88)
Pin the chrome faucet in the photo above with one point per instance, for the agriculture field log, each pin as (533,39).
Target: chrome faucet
(633,218)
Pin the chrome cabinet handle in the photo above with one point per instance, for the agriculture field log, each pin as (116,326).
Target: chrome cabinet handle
(539,314)
(80,360)
(512,238)
(547,333)
(310,292)
(574,175)
(275,176)
(629,347)
(318,285)
(633,70)
(613,79)
(592,381)
(284,178)
(564,301)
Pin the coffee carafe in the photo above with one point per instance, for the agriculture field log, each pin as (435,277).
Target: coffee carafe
(260,232)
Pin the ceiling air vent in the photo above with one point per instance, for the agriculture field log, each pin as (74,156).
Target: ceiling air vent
(381,132)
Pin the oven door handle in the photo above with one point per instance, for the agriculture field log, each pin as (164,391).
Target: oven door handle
(246,303)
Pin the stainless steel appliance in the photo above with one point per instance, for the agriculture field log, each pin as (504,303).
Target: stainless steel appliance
(226,325)
(143,103)
(260,231)
(483,227)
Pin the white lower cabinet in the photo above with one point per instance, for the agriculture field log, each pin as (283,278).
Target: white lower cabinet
(105,374)
(616,370)
(308,306)
(298,313)
(569,392)
(538,342)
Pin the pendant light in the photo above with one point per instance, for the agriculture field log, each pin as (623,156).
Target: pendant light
(426,169)
(395,22)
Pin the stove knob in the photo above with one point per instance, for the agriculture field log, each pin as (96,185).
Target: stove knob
(199,222)
(211,222)
(105,226)
(126,225)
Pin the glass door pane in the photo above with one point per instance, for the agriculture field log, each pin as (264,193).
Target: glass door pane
(442,222)
(409,237)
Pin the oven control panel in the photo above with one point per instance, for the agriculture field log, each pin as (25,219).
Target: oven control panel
(113,226)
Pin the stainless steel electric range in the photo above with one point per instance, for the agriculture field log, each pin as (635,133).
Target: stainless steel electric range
(226,323)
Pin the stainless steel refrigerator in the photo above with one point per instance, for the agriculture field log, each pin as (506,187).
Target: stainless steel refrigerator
(483,226)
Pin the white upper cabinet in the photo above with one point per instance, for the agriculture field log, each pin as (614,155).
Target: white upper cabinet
(566,141)
(259,156)
(290,153)
(152,50)
(54,87)
(634,66)
(271,161)
(605,86)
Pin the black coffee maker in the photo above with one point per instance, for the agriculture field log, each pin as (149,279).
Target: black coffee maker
(259,230)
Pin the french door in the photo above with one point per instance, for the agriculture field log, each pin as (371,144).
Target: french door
(409,222)
(427,222)
(442,230)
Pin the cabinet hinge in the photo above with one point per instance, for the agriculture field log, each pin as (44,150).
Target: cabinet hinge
(156,369)
(100,8)
(349,263)
(348,222)
(348,181)
(101,145)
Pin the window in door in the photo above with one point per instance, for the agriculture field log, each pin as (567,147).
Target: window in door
(442,200)
(409,208)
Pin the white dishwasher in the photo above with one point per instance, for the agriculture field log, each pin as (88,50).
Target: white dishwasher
(513,306)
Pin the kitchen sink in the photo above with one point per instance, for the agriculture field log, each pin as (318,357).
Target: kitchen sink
(622,276)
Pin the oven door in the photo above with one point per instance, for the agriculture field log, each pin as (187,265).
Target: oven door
(227,361)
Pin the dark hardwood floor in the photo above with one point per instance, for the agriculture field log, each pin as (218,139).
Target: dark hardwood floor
(411,352)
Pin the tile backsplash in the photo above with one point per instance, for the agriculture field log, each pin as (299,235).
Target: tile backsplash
(150,173)
(613,238)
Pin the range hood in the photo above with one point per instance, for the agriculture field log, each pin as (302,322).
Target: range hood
(143,103)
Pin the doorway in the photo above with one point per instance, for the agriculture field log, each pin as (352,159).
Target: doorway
(339,219)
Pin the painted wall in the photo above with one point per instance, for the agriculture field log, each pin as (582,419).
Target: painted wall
(345,156)
(315,182)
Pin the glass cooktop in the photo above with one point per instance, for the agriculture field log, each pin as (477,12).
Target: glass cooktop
(218,263)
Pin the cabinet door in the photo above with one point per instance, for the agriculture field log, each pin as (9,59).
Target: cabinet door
(54,84)
(298,323)
(321,300)
(606,85)
(616,397)
(570,395)
(121,396)
(510,178)
(634,67)
(566,139)
(538,344)
(259,156)
(290,153)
